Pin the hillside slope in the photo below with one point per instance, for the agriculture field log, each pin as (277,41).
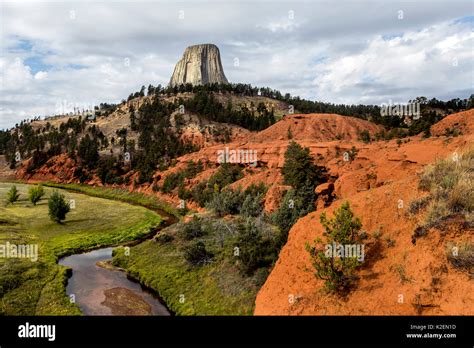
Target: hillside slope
(398,277)
(373,165)
(317,128)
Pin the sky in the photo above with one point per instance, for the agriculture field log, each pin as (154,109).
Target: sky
(57,55)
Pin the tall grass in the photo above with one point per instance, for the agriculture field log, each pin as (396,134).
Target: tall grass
(450,183)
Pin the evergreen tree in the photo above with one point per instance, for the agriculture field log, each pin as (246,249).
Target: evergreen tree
(13,195)
(88,151)
(35,194)
(58,207)
(342,230)
(299,168)
(303,175)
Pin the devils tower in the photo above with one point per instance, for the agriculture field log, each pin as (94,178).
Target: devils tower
(200,65)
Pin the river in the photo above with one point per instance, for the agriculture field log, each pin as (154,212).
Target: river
(103,291)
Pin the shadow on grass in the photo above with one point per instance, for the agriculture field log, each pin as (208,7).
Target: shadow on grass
(67,222)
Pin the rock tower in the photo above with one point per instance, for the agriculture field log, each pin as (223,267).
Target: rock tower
(200,65)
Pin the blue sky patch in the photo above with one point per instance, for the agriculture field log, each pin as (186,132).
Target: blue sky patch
(36,64)
(389,37)
(467,19)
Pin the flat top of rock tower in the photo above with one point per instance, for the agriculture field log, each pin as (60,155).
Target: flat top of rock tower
(202,45)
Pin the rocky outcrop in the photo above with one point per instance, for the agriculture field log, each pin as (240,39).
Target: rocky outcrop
(200,65)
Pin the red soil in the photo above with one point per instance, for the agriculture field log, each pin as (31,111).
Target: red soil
(403,279)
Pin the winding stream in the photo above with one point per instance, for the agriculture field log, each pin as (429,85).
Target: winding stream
(101,291)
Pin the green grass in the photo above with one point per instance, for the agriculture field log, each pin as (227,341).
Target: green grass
(217,288)
(119,194)
(38,288)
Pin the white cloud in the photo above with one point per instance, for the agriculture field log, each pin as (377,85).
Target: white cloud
(41,75)
(15,75)
(283,24)
(330,51)
(420,62)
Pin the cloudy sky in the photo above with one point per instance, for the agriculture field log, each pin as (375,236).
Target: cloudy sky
(55,55)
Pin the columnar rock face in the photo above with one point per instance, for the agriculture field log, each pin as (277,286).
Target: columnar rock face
(200,65)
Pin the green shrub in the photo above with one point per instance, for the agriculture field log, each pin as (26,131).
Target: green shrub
(365,136)
(38,159)
(436,212)
(192,229)
(182,192)
(443,173)
(461,196)
(255,249)
(229,201)
(295,205)
(171,182)
(226,175)
(204,191)
(174,180)
(13,195)
(58,207)
(163,238)
(80,173)
(252,205)
(287,214)
(35,194)
(109,170)
(226,202)
(342,229)
(255,190)
(260,276)
(192,169)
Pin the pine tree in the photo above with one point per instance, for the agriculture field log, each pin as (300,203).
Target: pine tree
(58,207)
(89,151)
(299,168)
(35,194)
(13,195)
(343,229)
